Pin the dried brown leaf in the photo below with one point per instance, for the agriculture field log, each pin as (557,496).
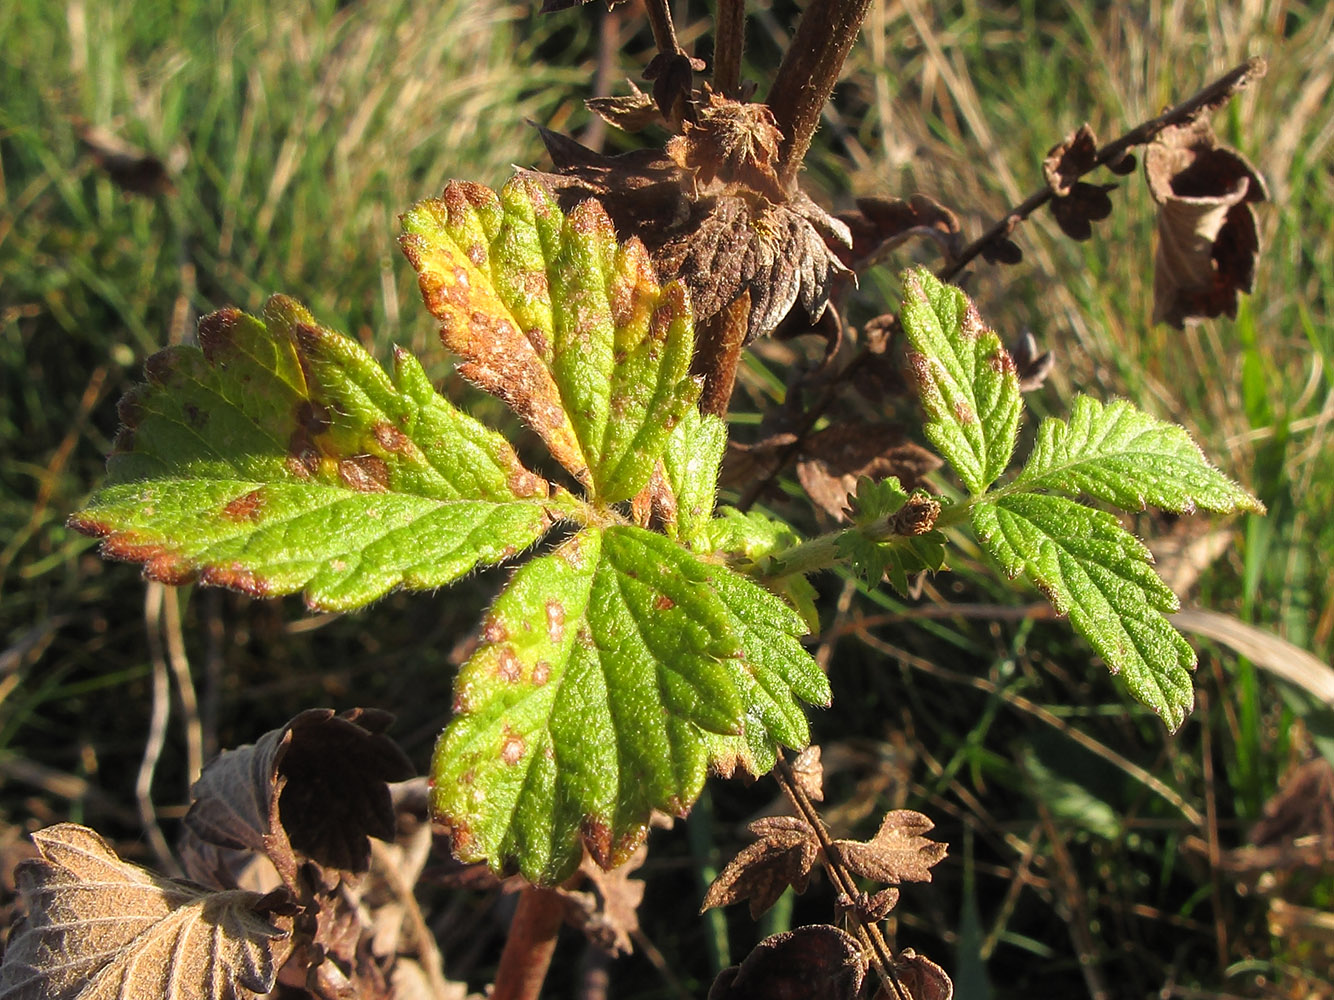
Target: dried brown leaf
(817,962)
(632,113)
(609,917)
(833,459)
(731,147)
(1002,251)
(897,853)
(133,170)
(879,225)
(1207,234)
(809,772)
(316,786)
(98,927)
(1032,367)
(877,905)
(1303,806)
(921,977)
(783,856)
(673,77)
(1069,160)
(1084,205)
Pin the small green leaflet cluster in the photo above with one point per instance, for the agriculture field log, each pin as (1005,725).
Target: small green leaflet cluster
(613,672)
(893,534)
(1089,567)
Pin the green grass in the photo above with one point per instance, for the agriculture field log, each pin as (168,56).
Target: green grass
(300,132)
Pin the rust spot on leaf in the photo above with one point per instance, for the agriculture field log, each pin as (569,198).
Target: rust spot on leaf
(494,630)
(663,603)
(512,747)
(972,325)
(159,367)
(216,332)
(171,569)
(555,620)
(1001,362)
(509,668)
(130,408)
(523,483)
(677,808)
(596,834)
(244,508)
(390,438)
(364,473)
(963,413)
(541,673)
(236,577)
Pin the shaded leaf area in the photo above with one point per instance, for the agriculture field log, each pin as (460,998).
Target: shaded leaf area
(550,314)
(313,789)
(279,457)
(99,927)
(710,212)
(1095,571)
(967,381)
(612,673)
(818,962)
(1207,233)
(1122,456)
(894,533)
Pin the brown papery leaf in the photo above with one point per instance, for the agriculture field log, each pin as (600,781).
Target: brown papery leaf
(809,772)
(897,853)
(673,77)
(1069,160)
(881,224)
(316,785)
(781,857)
(731,142)
(610,917)
(98,927)
(1207,233)
(1032,367)
(818,962)
(833,459)
(1002,251)
(1085,204)
(921,977)
(632,113)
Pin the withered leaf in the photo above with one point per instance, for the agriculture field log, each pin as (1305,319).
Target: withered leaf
(98,927)
(1032,367)
(672,75)
(316,785)
(878,905)
(832,460)
(921,977)
(809,772)
(1069,160)
(817,962)
(133,170)
(1303,806)
(1085,204)
(631,113)
(897,853)
(881,224)
(731,142)
(1002,251)
(609,917)
(1207,233)
(783,856)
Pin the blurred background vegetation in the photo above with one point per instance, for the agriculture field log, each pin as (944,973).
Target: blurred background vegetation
(1091,852)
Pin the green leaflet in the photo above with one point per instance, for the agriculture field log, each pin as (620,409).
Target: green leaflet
(892,533)
(568,327)
(691,461)
(278,457)
(612,672)
(966,380)
(1125,457)
(1093,570)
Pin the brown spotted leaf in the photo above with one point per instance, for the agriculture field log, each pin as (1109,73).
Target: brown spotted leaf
(897,853)
(817,962)
(314,788)
(98,927)
(782,857)
(569,327)
(278,457)
(1207,235)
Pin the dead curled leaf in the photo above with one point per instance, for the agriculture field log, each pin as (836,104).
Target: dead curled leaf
(817,962)
(100,927)
(316,786)
(609,916)
(832,460)
(881,224)
(782,856)
(922,978)
(897,853)
(1207,233)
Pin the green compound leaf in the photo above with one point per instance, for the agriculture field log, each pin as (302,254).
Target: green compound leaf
(1127,458)
(691,462)
(1099,574)
(612,673)
(966,379)
(278,457)
(568,327)
(750,540)
(893,533)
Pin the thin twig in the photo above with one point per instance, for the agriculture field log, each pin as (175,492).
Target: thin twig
(1211,828)
(185,687)
(157,731)
(660,19)
(729,41)
(1075,916)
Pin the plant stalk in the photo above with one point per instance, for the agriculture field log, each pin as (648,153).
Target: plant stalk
(530,945)
(729,41)
(808,73)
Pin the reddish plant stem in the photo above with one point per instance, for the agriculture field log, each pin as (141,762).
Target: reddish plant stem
(530,944)
(1213,95)
(729,41)
(808,73)
(660,19)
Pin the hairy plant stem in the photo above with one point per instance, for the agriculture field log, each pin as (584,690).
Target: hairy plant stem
(807,76)
(660,19)
(729,41)
(529,945)
(1211,96)
(868,932)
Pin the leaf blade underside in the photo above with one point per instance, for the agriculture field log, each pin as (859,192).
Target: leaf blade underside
(279,457)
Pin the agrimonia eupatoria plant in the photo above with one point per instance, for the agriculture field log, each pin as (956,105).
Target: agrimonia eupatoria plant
(646,636)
